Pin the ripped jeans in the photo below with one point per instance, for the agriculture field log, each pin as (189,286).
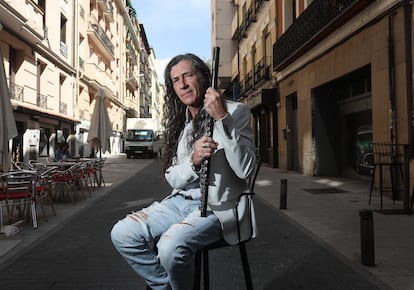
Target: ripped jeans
(176,228)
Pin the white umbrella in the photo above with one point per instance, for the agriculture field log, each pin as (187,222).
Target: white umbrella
(8,123)
(100,129)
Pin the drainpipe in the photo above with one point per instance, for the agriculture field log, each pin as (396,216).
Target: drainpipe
(76,57)
(391,79)
(408,66)
(235,98)
(409,95)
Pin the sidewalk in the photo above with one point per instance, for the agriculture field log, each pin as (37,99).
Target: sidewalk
(334,219)
(330,218)
(115,171)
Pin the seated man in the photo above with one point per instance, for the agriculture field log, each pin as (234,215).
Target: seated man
(62,152)
(175,225)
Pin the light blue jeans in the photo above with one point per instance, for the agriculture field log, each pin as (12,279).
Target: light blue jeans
(178,231)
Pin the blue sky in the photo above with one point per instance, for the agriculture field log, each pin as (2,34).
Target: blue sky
(176,27)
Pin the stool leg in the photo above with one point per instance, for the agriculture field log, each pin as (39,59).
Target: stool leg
(197,271)
(381,185)
(246,268)
(206,270)
(393,183)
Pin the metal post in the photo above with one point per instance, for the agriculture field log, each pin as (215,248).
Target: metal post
(283,193)
(406,172)
(367,238)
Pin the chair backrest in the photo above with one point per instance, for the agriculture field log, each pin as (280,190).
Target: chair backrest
(19,184)
(252,179)
(248,199)
(23,165)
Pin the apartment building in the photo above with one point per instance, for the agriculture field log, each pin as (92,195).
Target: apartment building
(246,30)
(156,90)
(58,56)
(332,68)
(348,67)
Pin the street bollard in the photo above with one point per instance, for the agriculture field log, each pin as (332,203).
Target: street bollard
(283,193)
(367,238)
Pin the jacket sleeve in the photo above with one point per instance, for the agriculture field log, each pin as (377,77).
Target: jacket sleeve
(234,134)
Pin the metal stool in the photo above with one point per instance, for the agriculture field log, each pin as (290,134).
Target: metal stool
(391,156)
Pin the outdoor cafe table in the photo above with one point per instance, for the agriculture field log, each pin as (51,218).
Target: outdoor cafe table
(62,165)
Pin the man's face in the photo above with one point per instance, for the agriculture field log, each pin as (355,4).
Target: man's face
(186,84)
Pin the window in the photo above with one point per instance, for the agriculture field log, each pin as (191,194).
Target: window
(139,135)
(63,22)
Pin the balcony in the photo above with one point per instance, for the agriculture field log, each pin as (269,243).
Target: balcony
(249,18)
(16,92)
(99,37)
(132,82)
(63,49)
(81,64)
(63,108)
(98,77)
(249,81)
(41,101)
(319,20)
(261,72)
(131,53)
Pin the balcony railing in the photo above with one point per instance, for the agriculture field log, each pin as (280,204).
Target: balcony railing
(16,92)
(102,35)
(63,108)
(132,53)
(63,48)
(261,71)
(81,63)
(41,101)
(249,81)
(320,19)
(254,78)
(250,17)
(132,81)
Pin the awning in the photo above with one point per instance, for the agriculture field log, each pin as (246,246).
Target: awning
(44,112)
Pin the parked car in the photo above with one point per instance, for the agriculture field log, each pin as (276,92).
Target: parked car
(364,155)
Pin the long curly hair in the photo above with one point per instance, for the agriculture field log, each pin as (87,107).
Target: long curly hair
(175,111)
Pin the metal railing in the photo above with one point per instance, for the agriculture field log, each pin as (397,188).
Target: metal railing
(63,108)
(314,21)
(41,101)
(16,92)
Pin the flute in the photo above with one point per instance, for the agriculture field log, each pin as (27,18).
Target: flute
(208,131)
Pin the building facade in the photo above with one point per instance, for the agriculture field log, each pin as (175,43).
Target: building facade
(336,81)
(245,31)
(316,74)
(58,55)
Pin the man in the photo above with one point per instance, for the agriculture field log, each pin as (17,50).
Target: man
(174,226)
(62,152)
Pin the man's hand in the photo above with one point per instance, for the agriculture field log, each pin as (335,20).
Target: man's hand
(203,148)
(214,104)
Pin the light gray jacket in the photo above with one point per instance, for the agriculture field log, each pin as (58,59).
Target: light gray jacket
(230,166)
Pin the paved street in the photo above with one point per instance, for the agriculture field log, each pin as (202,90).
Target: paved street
(78,253)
